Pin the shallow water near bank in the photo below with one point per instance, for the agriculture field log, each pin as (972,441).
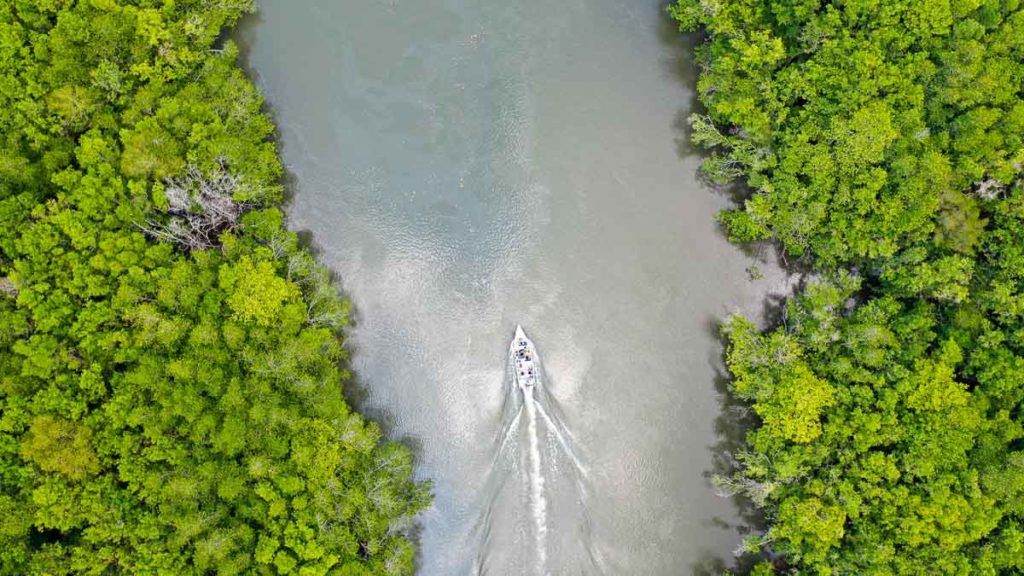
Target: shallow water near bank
(469,165)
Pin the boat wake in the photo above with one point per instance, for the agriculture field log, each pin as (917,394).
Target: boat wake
(535,519)
(538,503)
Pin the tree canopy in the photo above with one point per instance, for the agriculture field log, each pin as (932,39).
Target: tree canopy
(171,359)
(881,145)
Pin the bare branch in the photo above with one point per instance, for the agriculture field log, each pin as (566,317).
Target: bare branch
(202,206)
(7,287)
(989,189)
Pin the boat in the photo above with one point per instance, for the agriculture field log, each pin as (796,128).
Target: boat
(524,360)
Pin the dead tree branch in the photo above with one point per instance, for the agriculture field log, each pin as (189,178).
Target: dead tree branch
(201,206)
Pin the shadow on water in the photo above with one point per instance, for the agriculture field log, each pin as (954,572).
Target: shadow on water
(355,390)
(734,420)
(242,35)
(679,62)
(735,417)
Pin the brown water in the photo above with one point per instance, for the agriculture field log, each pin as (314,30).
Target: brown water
(469,165)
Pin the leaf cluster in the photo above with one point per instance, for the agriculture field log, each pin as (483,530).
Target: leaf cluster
(881,144)
(166,410)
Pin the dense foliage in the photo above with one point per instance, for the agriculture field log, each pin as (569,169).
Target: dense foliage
(881,144)
(170,357)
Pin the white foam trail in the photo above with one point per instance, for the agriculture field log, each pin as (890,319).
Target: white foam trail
(510,432)
(561,440)
(538,502)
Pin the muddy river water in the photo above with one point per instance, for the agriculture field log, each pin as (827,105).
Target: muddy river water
(467,165)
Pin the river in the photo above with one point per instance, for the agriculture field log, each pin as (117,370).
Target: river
(467,165)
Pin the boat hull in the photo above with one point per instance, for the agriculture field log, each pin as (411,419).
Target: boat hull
(525,363)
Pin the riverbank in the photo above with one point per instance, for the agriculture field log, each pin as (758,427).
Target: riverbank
(171,360)
(469,167)
(888,397)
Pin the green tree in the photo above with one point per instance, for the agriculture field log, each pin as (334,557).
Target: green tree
(881,146)
(60,446)
(168,408)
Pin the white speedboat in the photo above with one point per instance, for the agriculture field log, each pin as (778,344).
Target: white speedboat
(524,360)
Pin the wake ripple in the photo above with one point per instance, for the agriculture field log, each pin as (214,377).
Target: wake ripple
(538,502)
(522,532)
